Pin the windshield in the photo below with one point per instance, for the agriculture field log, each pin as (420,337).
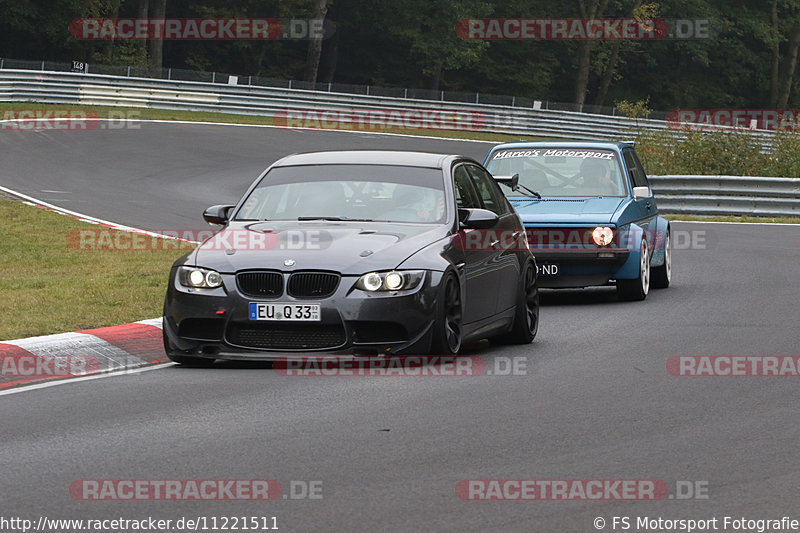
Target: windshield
(559,172)
(348,192)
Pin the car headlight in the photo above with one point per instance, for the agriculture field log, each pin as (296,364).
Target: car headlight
(602,236)
(199,278)
(395,280)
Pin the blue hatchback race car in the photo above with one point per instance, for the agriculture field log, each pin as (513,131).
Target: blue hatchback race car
(589,214)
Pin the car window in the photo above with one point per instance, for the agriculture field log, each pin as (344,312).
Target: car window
(634,169)
(466,197)
(492,196)
(372,192)
(640,169)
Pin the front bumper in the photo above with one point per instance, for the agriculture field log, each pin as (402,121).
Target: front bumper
(215,323)
(579,266)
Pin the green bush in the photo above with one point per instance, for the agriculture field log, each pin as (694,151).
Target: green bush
(732,153)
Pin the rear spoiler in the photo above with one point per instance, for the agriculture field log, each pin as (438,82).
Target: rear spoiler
(511,181)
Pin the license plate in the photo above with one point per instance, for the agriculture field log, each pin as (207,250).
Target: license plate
(547,269)
(288,312)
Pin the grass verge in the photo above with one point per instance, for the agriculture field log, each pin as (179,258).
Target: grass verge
(52,286)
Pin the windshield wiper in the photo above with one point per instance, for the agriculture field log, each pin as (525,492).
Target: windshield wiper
(520,186)
(534,193)
(336,219)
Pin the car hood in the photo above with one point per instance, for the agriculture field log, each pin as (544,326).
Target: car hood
(349,247)
(591,209)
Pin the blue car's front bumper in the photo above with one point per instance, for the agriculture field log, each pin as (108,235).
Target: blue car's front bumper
(578,267)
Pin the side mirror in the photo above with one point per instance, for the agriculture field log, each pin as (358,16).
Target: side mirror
(477,218)
(511,181)
(217,214)
(641,192)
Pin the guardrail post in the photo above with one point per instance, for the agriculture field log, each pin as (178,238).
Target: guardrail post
(129,71)
(2,61)
(442,99)
(329,86)
(42,66)
(367,90)
(169,74)
(214,77)
(477,98)
(250,80)
(405,93)
(290,84)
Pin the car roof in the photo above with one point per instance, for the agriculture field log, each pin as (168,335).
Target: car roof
(366,157)
(567,144)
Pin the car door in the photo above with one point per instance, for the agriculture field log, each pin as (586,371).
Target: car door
(507,235)
(480,277)
(645,207)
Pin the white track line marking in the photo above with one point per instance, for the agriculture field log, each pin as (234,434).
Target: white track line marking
(26,388)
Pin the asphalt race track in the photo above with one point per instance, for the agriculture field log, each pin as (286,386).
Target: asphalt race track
(595,400)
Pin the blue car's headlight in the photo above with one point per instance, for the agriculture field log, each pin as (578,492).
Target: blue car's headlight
(199,278)
(396,280)
(602,236)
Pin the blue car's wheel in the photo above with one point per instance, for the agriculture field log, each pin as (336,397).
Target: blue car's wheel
(662,275)
(637,289)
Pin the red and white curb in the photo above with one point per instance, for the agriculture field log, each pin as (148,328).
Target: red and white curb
(81,354)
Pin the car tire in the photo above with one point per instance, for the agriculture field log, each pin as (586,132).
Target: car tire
(526,316)
(448,325)
(661,276)
(184,360)
(637,289)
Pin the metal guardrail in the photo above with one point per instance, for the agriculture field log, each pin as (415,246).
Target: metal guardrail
(452,97)
(727,195)
(97,89)
(93,89)
(711,195)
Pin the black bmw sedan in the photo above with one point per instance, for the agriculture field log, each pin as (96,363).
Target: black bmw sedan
(355,252)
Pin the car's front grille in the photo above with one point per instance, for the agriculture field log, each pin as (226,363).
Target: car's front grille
(313,284)
(260,284)
(286,336)
(561,237)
